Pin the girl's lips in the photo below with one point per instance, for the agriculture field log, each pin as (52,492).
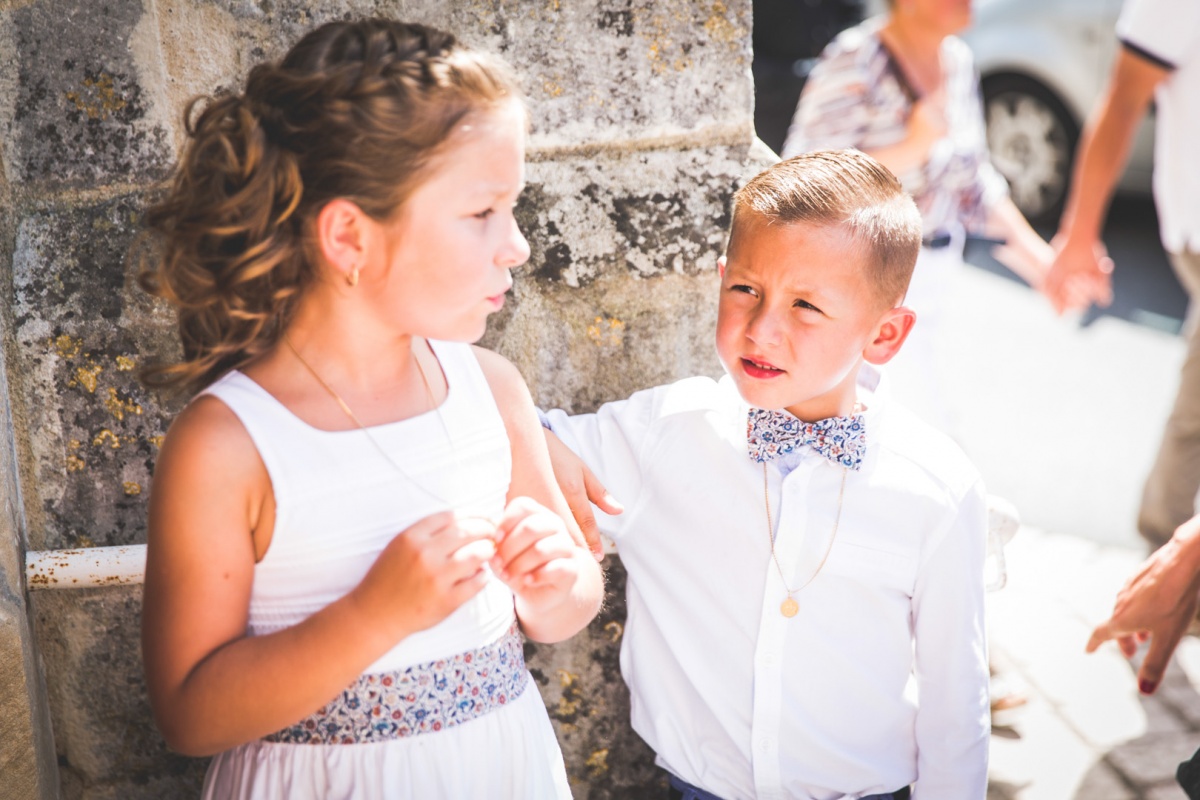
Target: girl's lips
(497,301)
(756,371)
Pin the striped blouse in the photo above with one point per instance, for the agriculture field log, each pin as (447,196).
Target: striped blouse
(857,96)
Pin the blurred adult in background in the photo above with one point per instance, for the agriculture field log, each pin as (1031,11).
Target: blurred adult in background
(903,88)
(1159,58)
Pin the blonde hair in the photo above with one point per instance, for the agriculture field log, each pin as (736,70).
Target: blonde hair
(355,110)
(846,188)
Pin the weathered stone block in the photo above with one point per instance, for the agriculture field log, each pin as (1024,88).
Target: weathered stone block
(108,747)
(598,73)
(76,108)
(83,327)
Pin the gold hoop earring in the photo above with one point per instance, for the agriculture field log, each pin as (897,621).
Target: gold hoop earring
(352,278)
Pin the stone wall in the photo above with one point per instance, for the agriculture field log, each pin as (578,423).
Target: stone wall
(642,128)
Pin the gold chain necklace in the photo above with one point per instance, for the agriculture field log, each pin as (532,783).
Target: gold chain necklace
(789,607)
(366,432)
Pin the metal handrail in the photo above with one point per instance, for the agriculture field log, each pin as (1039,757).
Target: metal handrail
(85,568)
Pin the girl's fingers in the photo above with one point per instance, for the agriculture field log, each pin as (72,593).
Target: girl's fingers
(526,532)
(451,539)
(429,527)
(537,555)
(549,574)
(517,511)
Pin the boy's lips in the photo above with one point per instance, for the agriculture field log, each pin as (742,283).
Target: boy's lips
(756,368)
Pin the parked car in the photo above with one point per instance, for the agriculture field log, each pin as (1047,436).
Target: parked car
(1043,64)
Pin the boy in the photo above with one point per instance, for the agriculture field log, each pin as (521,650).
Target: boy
(805,614)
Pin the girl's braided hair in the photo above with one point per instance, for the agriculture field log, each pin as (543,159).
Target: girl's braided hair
(355,110)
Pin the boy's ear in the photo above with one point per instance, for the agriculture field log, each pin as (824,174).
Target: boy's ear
(890,332)
(342,234)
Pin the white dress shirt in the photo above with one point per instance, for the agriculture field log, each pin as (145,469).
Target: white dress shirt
(1168,32)
(880,681)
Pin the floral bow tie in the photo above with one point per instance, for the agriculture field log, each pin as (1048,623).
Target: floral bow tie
(771,434)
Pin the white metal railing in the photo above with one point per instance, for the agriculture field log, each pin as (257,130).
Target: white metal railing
(85,568)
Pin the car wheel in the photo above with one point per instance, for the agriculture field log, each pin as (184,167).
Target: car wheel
(1032,139)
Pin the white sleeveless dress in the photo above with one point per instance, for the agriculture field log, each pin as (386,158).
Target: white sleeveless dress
(338,503)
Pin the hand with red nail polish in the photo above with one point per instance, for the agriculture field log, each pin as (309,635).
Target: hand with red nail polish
(1157,605)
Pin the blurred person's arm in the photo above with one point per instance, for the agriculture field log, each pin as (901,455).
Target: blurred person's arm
(1103,151)
(926,125)
(1157,603)
(1024,251)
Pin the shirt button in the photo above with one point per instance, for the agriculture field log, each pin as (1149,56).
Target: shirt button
(769,659)
(764,745)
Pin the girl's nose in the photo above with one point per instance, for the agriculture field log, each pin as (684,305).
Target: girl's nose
(515,250)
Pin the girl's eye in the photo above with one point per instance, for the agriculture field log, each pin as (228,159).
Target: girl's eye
(483,214)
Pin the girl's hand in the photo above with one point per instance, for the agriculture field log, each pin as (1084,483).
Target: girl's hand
(425,573)
(535,555)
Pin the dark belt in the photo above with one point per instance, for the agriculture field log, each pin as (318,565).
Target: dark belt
(682,790)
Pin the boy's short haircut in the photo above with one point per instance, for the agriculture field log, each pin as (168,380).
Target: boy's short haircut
(848,188)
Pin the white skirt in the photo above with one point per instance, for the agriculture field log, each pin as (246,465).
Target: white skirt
(510,753)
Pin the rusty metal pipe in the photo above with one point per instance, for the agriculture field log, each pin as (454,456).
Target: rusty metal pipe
(85,568)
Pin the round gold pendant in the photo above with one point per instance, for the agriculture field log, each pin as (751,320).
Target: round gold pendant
(789,607)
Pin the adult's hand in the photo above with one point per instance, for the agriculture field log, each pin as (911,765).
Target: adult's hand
(1080,274)
(1157,603)
(581,488)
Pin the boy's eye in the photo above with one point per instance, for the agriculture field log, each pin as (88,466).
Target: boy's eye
(742,288)
(807,305)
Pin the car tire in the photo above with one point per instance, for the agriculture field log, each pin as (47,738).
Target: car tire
(1032,138)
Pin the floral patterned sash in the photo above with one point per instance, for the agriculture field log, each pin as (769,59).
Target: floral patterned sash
(424,698)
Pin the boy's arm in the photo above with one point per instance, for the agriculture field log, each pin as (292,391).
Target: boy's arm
(597,458)
(953,716)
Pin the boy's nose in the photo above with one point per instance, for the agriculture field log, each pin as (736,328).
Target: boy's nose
(764,328)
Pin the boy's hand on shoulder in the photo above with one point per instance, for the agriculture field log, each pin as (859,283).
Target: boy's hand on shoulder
(581,488)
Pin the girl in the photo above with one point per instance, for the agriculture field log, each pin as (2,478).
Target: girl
(342,540)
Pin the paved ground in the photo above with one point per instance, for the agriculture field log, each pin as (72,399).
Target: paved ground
(1063,419)
(1086,733)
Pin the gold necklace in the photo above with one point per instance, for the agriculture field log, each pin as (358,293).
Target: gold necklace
(366,432)
(789,607)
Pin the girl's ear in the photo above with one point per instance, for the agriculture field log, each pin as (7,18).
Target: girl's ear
(721,267)
(890,332)
(342,233)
